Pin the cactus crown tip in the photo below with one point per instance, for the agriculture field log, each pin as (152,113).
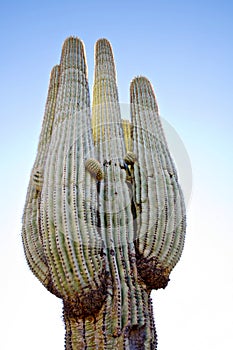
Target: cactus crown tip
(72,41)
(140,79)
(73,53)
(71,38)
(103,44)
(141,82)
(103,41)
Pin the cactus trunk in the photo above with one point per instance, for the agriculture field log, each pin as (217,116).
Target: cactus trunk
(104,218)
(95,331)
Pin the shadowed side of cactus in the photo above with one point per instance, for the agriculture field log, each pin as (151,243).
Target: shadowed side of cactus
(104,218)
(127,129)
(31,233)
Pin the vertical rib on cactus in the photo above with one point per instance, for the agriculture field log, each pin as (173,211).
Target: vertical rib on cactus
(161,224)
(104,218)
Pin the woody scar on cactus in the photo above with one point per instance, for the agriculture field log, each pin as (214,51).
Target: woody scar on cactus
(104,218)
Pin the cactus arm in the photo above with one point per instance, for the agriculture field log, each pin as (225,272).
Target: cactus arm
(161,223)
(31,231)
(108,134)
(71,242)
(128,304)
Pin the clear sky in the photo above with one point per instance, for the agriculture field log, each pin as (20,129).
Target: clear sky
(185,48)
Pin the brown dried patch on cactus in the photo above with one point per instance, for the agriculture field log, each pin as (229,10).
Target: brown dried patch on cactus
(86,305)
(94,168)
(152,273)
(137,337)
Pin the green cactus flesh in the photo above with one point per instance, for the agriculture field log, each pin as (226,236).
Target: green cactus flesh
(104,219)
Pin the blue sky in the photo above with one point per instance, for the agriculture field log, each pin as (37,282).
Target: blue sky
(185,49)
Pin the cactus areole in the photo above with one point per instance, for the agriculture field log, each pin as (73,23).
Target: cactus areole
(104,219)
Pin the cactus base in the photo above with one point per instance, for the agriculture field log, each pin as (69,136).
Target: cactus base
(96,331)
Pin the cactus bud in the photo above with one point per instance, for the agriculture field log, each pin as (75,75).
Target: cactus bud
(37,179)
(130,158)
(94,168)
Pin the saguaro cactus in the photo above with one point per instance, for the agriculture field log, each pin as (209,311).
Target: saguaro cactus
(104,219)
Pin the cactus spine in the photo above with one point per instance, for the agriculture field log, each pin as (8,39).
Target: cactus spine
(104,219)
